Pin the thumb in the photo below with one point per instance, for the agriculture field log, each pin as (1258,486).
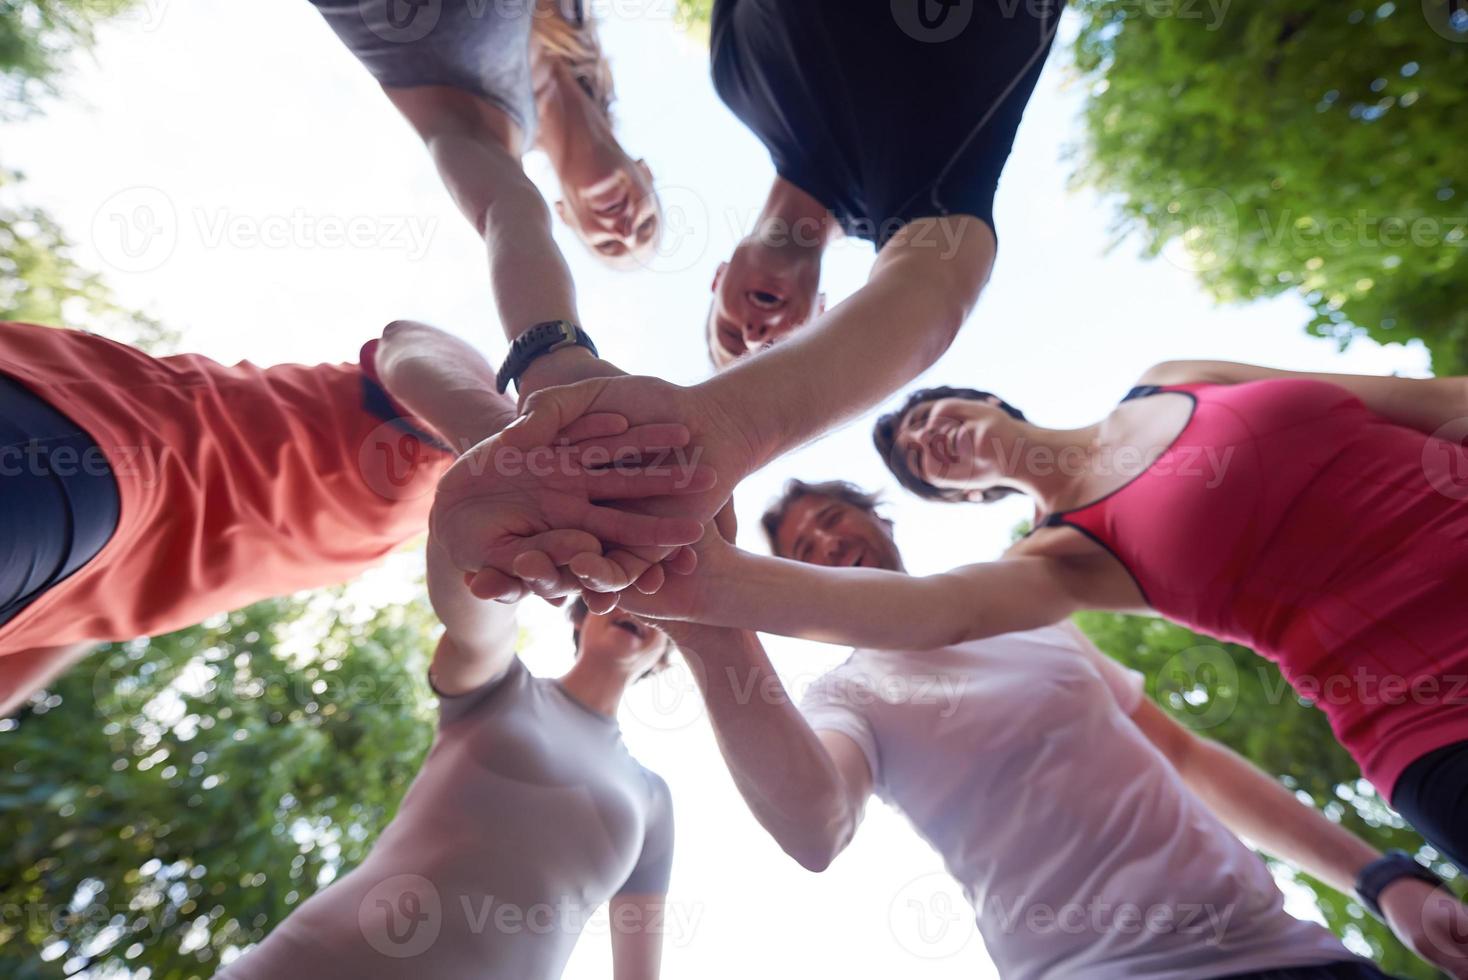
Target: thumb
(548,411)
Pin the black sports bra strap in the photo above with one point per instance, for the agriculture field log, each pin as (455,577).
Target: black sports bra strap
(1144,391)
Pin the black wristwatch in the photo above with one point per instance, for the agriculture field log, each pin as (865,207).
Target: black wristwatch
(1391,866)
(536,342)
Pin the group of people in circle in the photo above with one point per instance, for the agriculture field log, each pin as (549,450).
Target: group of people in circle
(1311,517)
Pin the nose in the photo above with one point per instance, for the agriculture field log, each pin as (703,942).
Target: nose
(832,547)
(756,333)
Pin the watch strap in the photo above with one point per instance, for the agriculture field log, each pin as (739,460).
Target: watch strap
(539,340)
(1390,867)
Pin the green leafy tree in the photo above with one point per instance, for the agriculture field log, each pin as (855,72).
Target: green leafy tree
(1292,146)
(170,800)
(1227,692)
(37,41)
(41,281)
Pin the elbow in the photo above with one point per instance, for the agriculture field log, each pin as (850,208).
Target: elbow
(813,855)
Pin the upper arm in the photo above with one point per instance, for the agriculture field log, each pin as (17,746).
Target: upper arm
(638,923)
(1424,404)
(852,769)
(943,261)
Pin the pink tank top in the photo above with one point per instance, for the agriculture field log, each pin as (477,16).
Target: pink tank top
(1289,517)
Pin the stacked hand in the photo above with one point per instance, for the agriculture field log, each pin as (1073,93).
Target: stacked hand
(517,531)
(529,492)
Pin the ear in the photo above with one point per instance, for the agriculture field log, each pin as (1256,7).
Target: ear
(820,304)
(563,212)
(645,170)
(719,274)
(974,496)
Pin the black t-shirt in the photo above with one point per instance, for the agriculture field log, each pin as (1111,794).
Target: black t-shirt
(884,110)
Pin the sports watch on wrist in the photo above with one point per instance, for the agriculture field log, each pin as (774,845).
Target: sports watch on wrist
(1390,867)
(539,340)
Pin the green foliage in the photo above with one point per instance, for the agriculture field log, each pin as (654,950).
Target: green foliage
(40,281)
(693,15)
(1291,146)
(175,798)
(1227,692)
(37,40)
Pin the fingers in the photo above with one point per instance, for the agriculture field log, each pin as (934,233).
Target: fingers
(600,603)
(726,522)
(542,577)
(547,412)
(600,573)
(610,524)
(496,586)
(651,580)
(594,427)
(659,481)
(630,442)
(681,562)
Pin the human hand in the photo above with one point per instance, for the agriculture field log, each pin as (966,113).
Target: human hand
(1430,922)
(718,444)
(518,493)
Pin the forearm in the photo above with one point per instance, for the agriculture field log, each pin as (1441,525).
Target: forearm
(877,609)
(859,353)
(477,630)
(1257,808)
(528,274)
(444,381)
(781,769)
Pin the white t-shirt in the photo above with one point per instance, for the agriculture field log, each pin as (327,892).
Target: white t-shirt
(1079,847)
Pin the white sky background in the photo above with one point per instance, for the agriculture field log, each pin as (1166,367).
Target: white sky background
(222,122)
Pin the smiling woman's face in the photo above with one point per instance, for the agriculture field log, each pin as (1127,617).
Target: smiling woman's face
(949,442)
(820,530)
(619,636)
(617,216)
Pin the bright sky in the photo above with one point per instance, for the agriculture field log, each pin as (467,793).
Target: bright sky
(295,214)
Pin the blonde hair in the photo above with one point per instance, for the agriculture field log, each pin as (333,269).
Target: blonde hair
(577,46)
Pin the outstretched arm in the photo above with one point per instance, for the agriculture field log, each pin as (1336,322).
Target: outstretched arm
(1257,808)
(1424,404)
(807,789)
(923,286)
(865,607)
(479,637)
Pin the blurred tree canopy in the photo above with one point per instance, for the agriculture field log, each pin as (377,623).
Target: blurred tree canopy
(173,799)
(41,281)
(1292,146)
(37,40)
(1227,692)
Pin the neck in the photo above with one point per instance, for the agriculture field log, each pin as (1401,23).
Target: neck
(793,220)
(599,686)
(1051,465)
(573,129)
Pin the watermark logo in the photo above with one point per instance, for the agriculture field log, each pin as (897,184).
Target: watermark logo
(932,21)
(401,916)
(1201,229)
(394,463)
(136,229)
(1445,459)
(685,231)
(1202,682)
(400,21)
(1449,18)
(668,701)
(930,918)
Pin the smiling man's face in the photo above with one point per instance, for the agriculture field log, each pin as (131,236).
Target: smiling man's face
(821,530)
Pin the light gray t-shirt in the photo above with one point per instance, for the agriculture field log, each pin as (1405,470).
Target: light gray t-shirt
(1076,842)
(480,46)
(528,814)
